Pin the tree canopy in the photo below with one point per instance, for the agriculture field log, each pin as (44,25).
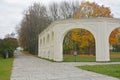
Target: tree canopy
(92,9)
(8,45)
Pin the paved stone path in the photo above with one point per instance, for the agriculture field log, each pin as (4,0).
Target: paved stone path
(27,67)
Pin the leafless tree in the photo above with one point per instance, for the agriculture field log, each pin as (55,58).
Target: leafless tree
(37,17)
(54,11)
(35,20)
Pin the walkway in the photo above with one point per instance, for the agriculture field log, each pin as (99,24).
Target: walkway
(27,67)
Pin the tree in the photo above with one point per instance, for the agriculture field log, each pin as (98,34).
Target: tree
(67,9)
(35,20)
(12,35)
(116,47)
(114,37)
(37,17)
(118,37)
(53,9)
(64,10)
(68,44)
(114,40)
(88,9)
(8,45)
(82,37)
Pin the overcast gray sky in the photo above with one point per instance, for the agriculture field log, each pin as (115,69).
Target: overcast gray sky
(11,11)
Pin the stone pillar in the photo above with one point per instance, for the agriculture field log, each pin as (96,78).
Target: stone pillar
(39,46)
(102,44)
(58,55)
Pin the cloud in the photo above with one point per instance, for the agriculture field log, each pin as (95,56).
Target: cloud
(113,4)
(11,11)
(10,16)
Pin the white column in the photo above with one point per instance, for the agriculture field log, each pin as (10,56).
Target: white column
(102,44)
(58,55)
(39,46)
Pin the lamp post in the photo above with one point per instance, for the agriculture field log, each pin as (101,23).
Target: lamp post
(75,52)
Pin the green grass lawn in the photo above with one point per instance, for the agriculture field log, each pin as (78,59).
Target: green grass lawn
(79,58)
(5,68)
(110,70)
(114,57)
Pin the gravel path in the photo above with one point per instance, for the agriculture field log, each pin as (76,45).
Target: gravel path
(27,67)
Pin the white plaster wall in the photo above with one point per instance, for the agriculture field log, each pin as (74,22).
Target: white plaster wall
(99,27)
(46,48)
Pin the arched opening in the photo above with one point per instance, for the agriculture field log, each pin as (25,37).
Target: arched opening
(114,44)
(48,38)
(40,42)
(52,38)
(79,45)
(44,41)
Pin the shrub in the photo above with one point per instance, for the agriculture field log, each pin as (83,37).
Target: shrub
(7,46)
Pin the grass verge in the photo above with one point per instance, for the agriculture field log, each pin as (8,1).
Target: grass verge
(5,68)
(114,57)
(79,58)
(110,69)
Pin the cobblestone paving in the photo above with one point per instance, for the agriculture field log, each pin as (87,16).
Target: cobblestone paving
(27,67)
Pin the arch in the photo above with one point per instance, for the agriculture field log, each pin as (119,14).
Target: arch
(114,44)
(48,38)
(112,29)
(44,41)
(62,38)
(100,28)
(95,29)
(48,54)
(41,42)
(89,48)
(88,28)
(110,32)
(52,38)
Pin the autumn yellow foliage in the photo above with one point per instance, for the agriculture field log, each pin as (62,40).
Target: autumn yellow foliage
(82,37)
(113,37)
(88,9)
